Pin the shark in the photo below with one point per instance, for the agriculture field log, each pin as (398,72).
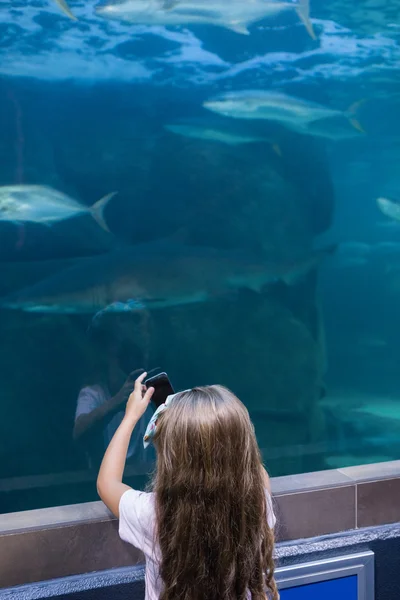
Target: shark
(236,15)
(151,277)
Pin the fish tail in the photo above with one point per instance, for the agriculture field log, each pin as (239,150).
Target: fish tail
(98,208)
(66,9)
(352,112)
(303,10)
(300,270)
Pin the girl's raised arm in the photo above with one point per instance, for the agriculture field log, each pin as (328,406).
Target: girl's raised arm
(109,481)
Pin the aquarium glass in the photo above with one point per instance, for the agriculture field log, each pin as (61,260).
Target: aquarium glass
(209,189)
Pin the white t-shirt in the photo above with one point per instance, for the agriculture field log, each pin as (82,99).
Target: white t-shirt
(93,396)
(136,526)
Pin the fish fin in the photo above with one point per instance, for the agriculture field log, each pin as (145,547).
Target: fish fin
(98,208)
(357,125)
(66,9)
(238,28)
(352,111)
(303,10)
(277,149)
(353,108)
(302,269)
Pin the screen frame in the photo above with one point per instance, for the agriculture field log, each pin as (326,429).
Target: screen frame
(362,565)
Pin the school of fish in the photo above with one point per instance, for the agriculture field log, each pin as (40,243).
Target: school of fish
(132,279)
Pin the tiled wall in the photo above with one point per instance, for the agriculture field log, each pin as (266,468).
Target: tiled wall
(316,504)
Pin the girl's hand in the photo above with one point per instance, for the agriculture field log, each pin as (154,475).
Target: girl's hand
(138,400)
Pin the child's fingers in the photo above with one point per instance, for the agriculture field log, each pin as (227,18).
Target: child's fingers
(138,382)
(148,395)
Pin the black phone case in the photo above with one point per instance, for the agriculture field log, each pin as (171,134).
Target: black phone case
(162,388)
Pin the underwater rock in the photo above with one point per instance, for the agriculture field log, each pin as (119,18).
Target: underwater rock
(251,343)
(262,352)
(220,195)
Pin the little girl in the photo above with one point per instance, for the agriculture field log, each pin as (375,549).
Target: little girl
(206,529)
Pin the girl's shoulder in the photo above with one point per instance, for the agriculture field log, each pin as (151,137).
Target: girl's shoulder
(134,501)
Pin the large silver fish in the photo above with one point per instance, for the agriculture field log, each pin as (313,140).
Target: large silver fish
(236,15)
(42,204)
(66,9)
(294,113)
(153,277)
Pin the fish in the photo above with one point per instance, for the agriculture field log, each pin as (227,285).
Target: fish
(390,208)
(151,277)
(294,113)
(66,9)
(236,15)
(213,134)
(45,205)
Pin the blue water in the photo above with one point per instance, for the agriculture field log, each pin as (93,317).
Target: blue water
(83,109)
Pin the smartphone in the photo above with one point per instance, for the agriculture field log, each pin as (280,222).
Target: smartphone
(162,388)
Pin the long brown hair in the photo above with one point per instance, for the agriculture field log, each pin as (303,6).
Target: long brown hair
(211,509)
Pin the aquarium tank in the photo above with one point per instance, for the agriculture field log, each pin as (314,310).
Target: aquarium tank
(205,188)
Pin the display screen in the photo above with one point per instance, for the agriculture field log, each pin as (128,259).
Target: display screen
(345,588)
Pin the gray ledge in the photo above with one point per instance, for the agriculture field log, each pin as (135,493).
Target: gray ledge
(333,542)
(56,542)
